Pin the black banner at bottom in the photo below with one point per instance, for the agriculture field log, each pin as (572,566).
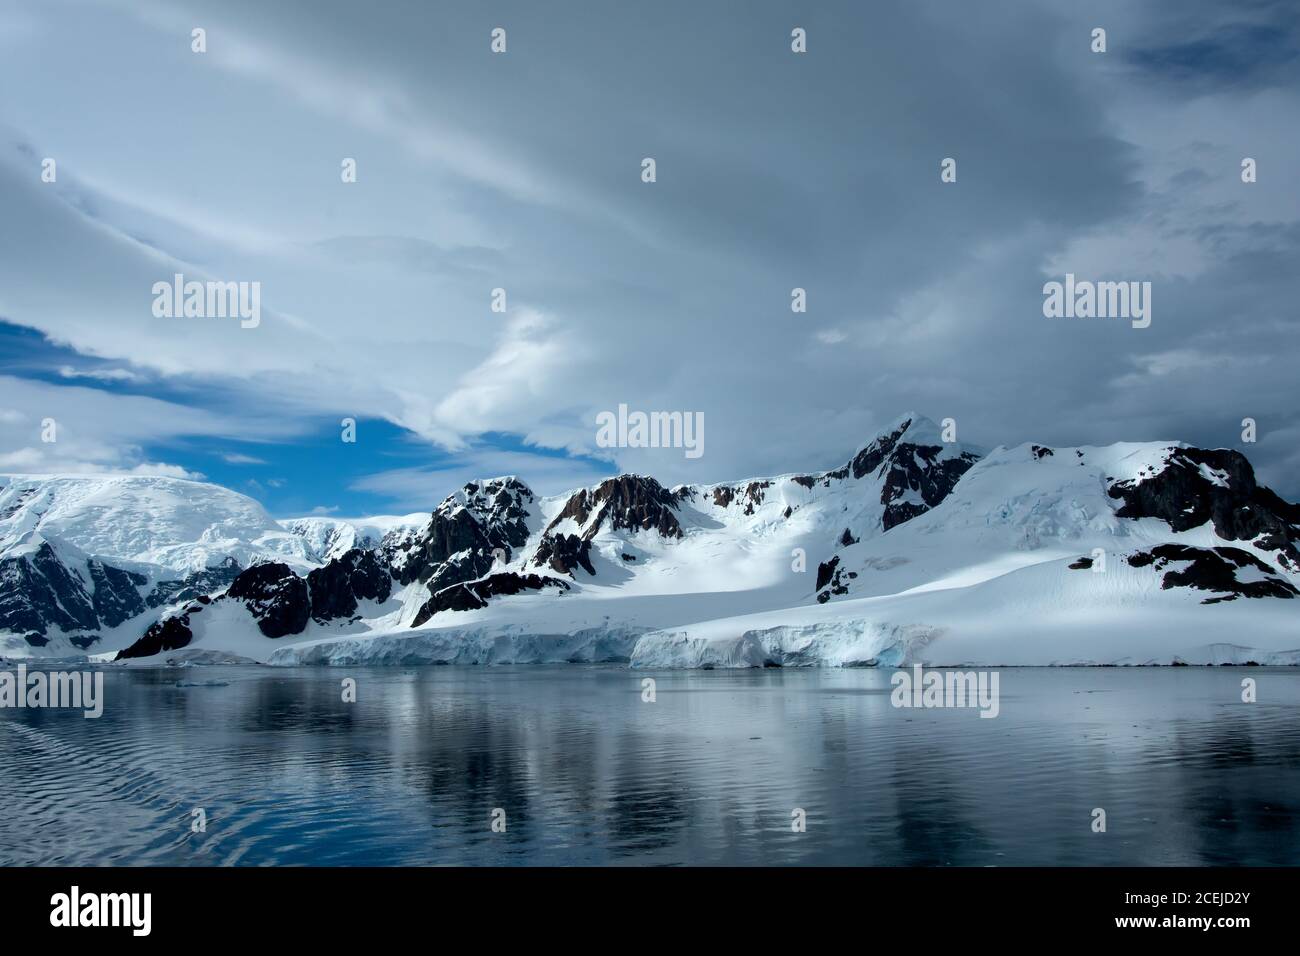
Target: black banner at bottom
(334,905)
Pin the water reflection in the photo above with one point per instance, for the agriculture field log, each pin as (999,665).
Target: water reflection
(586,772)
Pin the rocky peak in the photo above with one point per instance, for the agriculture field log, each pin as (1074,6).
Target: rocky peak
(1198,485)
(624,502)
(335,589)
(917,466)
(465,534)
(621,503)
(275,596)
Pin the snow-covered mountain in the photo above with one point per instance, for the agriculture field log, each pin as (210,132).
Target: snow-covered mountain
(328,538)
(916,550)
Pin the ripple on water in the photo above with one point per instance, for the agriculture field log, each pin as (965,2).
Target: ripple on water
(710,773)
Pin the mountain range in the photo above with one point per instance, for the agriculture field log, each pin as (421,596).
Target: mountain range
(916,550)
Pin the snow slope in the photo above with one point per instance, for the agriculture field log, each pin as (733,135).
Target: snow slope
(985,578)
(156,525)
(327,538)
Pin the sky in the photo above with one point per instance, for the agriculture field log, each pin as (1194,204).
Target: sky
(522,170)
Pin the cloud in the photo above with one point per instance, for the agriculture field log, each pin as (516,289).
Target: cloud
(531,356)
(99,374)
(97,432)
(776,170)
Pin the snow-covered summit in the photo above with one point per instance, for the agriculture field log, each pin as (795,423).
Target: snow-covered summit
(153,523)
(328,537)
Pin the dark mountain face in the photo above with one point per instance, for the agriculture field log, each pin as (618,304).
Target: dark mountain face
(208,581)
(116,593)
(630,502)
(916,476)
(476,594)
(280,601)
(276,597)
(907,466)
(564,553)
(40,590)
(464,537)
(335,589)
(1198,485)
(624,502)
(750,495)
(170,634)
(37,591)
(920,470)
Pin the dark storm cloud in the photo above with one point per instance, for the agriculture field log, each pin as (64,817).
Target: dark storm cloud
(1209,47)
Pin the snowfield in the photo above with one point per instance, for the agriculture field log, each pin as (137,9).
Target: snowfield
(151,524)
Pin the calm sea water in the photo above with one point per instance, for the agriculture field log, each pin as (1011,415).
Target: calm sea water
(588,773)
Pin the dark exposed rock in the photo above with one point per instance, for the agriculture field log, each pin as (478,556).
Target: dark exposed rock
(449,533)
(625,502)
(170,634)
(194,585)
(335,589)
(911,471)
(1040,452)
(830,580)
(465,534)
(916,477)
(563,553)
(37,591)
(631,502)
(627,557)
(116,593)
(1081,565)
(1214,569)
(923,471)
(471,595)
(275,596)
(824,572)
(874,455)
(1185,496)
(280,601)
(751,494)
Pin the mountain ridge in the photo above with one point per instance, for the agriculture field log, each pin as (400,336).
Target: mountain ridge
(860,564)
